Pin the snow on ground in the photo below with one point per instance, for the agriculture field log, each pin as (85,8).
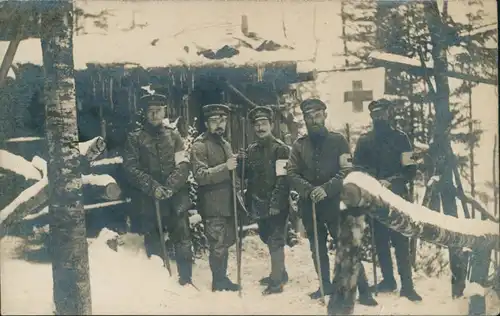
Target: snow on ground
(126,282)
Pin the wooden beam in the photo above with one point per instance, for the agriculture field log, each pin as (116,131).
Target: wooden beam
(240,94)
(410,64)
(8,58)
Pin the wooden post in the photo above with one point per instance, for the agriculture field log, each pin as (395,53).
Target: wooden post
(68,243)
(9,57)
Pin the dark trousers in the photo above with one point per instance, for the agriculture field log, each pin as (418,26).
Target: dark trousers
(383,239)
(327,222)
(179,232)
(221,234)
(272,231)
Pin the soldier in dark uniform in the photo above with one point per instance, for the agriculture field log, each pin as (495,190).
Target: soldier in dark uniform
(385,153)
(155,163)
(213,161)
(267,192)
(314,171)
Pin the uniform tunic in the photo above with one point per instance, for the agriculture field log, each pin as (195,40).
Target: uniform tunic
(317,162)
(268,188)
(209,154)
(153,158)
(383,158)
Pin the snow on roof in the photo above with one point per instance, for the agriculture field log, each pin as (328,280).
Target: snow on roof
(157,34)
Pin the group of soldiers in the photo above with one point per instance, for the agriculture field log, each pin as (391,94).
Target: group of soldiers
(157,164)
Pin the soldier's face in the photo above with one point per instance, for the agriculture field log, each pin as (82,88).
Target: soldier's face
(155,115)
(380,119)
(216,124)
(315,120)
(263,128)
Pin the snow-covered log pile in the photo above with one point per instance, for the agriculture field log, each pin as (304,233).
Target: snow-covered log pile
(411,219)
(36,196)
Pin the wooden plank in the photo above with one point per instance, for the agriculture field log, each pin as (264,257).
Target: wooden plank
(8,58)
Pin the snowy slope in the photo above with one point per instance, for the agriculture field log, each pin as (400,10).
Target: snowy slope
(127,282)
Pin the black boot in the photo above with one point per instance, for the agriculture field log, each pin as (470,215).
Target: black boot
(386,286)
(267,279)
(366,298)
(273,288)
(278,271)
(185,271)
(327,287)
(220,281)
(410,293)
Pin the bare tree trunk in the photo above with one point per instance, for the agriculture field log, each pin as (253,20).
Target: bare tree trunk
(68,244)
(442,152)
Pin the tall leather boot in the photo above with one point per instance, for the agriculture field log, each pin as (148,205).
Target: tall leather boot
(277,271)
(215,266)
(325,274)
(221,281)
(365,295)
(407,288)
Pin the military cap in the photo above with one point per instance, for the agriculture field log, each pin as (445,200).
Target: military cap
(215,109)
(148,100)
(381,104)
(260,113)
(310,105)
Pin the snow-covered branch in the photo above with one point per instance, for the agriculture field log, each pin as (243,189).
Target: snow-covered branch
(411,219)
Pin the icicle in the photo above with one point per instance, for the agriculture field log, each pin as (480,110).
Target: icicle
(111,93)
(260,73)
(192,80)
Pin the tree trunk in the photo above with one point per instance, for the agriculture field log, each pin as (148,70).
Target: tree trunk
(68,244)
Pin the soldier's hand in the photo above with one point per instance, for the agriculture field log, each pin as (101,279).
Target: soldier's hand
(231,163)
(385,183)
(242,154)
(162,193)
(273,211)
(318,194)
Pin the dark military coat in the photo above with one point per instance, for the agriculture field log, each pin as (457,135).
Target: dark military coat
(318,163)
(157,158)
(266,174)
(387,157)
(209,154)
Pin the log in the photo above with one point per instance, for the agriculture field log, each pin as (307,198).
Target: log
(107,161)
(28,201)
(103,185)
(93,148)
(36,196)
(362,190)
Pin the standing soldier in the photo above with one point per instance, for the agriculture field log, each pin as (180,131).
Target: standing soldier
(155,163)
(267,193)
(385,153)
(213,161)
(314,170)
